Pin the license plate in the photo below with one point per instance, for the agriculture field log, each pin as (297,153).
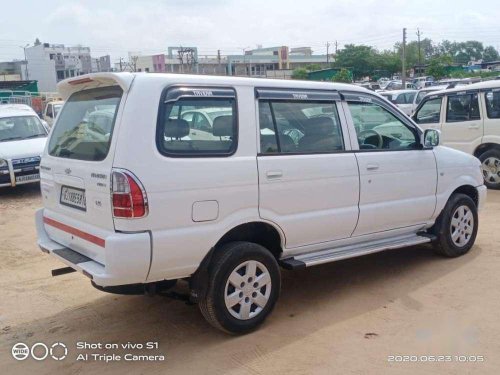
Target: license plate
(73,197)
(28,177)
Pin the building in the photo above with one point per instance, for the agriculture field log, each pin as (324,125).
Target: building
(273,62)
(51,63)
(12,70)
(264,62)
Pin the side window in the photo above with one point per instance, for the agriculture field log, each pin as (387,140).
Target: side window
(464,107)
(378,129)
(493,104)
(192,126)
(430,112)
(49,110)
(299,127)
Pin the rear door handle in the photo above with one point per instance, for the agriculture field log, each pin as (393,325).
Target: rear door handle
(474,126)
(372,167)
(273,175)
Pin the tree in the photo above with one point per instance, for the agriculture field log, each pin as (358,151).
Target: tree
(37,42)
(299,73)
(357,57)
(437,66)
(343,75)
(490,54)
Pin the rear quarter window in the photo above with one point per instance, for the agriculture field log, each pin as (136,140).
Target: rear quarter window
(85,125)
(192,126)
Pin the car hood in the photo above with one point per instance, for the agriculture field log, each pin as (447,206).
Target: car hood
(22,148)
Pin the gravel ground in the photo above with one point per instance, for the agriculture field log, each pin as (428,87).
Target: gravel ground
(347,317)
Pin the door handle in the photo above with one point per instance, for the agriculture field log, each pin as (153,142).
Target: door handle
(474,126)
(372,167)
(273,175)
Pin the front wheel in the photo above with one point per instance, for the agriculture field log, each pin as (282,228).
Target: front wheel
(244,284)
(456,226)
(490,164)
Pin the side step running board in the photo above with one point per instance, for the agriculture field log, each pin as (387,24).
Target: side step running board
(351,251)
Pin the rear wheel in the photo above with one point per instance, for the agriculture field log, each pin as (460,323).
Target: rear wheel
(490,163)
(456,227)
(244,284)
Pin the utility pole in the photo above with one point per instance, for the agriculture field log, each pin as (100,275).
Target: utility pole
(327,52)
(336,47)
(26,72)
(403,73)
(218,61)
(419,54)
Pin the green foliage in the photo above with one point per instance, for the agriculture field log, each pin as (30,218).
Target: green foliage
(437,66)
(343,75)
(299,73)
(490,54)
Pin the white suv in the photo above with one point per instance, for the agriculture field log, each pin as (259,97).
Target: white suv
(469,120)
(294,174)
(22,140)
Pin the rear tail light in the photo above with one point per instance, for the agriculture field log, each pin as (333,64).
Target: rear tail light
(128,197)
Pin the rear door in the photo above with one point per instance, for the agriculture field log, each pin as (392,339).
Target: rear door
(463,125)
(308,178)
(75,172)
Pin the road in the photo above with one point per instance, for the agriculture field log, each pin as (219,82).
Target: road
(342,318)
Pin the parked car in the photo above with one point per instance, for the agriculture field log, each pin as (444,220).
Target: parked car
(296,174)
(469,120)
(22,139)
(398,85)
(423,92)
(422,82)
(404,99)
(51,111)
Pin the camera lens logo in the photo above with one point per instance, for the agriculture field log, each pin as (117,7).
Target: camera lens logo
(54,353)
(39,351)
(20,351)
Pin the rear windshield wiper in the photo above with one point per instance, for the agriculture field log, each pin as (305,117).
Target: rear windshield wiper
(10,139)
(35,136)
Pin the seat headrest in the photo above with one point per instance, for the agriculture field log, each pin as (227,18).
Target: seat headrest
(223,126)
(176,128)
(319,126)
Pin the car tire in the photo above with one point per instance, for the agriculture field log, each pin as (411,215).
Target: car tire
(490,163)
(243,286)
(456,227)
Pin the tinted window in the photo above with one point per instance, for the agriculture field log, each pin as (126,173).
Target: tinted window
(193,126)
(462,108)
(493,104)
(299,127)
(430,111)
(377,128)
(20,127)
(85,125)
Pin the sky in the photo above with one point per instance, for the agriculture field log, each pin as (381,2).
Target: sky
(149,26)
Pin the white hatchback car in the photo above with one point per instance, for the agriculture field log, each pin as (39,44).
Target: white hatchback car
(469,120)
(294,174)
(22,140)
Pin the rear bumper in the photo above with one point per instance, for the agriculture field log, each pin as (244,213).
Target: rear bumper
(481,196)
(127,256)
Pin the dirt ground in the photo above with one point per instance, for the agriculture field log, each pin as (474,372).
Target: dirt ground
(342,318)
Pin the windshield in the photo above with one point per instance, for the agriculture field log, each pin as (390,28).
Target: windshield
(85,125)
(20,127)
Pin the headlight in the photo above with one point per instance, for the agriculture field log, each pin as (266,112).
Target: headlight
(3,163)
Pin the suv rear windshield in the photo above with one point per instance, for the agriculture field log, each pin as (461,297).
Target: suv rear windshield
(84,127)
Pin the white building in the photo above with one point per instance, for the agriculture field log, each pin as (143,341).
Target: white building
(51,63)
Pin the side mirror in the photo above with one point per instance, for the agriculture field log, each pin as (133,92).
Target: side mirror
(431,137)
